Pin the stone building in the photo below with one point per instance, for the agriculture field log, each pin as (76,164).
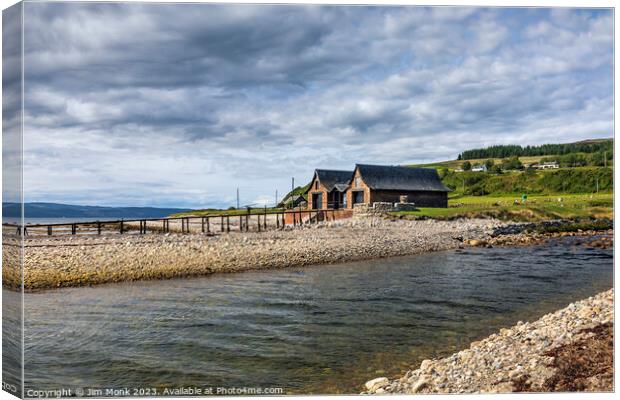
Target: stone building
(335,189)
(379,183)
(328,189)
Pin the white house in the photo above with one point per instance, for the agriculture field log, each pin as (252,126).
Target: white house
(547,165)
(479,168)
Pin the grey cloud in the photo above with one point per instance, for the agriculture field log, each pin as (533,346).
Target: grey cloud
(203,98)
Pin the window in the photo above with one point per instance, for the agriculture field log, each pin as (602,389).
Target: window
(316,185)
(357,181)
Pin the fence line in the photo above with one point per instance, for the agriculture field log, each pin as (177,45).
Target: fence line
(208,224)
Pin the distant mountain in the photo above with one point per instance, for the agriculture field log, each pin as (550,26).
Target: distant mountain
(55,210)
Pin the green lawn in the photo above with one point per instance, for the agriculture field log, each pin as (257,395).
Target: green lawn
(537,208)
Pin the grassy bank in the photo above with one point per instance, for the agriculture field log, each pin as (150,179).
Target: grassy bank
(560,181)
(537,207)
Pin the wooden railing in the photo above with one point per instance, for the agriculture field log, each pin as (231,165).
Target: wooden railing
(206,224)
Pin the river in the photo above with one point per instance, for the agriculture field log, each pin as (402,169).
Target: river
(324,329)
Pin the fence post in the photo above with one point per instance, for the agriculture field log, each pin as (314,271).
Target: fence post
(222,223)
(98,228)
(258,221)
(265,219)
(227,223)
(247,222)
(240,223)
(208,226)
(73,229)
(121,227)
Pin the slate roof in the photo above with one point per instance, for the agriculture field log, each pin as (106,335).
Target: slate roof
(341,187)
(383,177)
(331,178)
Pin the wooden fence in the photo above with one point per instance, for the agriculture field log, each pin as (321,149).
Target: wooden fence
(207,224)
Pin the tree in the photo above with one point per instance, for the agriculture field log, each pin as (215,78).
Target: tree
(512,163)
(496,169)
(489,163)
(598,159)
(466,166)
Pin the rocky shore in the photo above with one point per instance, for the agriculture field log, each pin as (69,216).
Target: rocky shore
(568,350)
(61,261)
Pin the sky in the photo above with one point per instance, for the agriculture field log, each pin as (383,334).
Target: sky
(177,105)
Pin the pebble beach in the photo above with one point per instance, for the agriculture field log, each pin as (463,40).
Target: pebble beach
(82,260)
(62,261)
(568,350)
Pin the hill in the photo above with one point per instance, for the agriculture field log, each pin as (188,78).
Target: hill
(57,210)
(503,151)
(565,180)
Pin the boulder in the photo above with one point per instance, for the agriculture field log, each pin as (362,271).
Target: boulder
(374,384)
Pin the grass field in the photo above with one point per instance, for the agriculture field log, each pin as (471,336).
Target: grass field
(536,208)
(454,164)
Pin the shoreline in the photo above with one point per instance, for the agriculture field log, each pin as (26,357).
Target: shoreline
(72,261)
(538,356)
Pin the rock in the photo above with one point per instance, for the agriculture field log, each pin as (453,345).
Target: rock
(425,364)
(419,385)
(374,384)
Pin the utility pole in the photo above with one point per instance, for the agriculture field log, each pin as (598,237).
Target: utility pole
(276,198)
(292,184)
(597,184)
(237,198)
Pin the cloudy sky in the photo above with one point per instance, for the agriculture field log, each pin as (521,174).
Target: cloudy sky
(177,105)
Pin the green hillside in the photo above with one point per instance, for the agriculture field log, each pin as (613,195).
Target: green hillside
(504,151)
(565,180)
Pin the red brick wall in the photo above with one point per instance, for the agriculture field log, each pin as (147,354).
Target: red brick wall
(329,215)
(313,190)
(358,184)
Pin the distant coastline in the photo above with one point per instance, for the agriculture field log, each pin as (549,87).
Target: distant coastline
(58,210)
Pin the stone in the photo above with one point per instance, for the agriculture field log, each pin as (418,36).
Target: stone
(419,385)
(425,364)
(374,384)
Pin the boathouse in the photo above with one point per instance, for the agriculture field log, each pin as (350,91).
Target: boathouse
(380,183)
(328,189)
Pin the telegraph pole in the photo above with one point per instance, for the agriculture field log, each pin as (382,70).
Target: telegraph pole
(276,198)
(292,184)
(237,198)
(597,184)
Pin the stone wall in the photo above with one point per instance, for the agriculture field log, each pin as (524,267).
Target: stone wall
(363,210)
